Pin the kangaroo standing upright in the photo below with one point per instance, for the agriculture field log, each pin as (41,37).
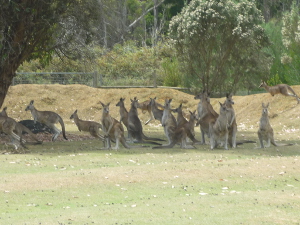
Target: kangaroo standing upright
(88,126)
(232,125)
(206,115)
(135,127)
(265,131)
(48,118)
(219,129)
(112,128)
(157,113)
(168,121)
(283,89)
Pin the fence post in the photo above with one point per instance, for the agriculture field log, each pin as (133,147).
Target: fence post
(154,78)
(101,80)
(95,80)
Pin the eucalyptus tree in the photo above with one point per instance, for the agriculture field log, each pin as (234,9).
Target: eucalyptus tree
(291,41)
(219,42)
(36,29)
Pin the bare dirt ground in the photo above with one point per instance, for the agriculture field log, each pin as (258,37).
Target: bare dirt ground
(65,99)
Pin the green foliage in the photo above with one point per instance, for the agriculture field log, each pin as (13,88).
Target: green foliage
(170,72)
(212,37)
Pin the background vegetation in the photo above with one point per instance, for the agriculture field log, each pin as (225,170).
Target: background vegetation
(177,43)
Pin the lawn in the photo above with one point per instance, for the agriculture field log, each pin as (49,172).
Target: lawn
(76,182)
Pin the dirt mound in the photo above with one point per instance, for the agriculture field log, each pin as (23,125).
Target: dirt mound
(65,99)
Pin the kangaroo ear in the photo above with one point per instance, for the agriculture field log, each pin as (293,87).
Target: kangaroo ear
(5,108)
(75,111)
(170,100)
(180,105)
(31,102)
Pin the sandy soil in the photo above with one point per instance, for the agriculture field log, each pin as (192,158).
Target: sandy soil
(65,99)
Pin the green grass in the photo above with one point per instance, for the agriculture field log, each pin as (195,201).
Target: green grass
(78,183)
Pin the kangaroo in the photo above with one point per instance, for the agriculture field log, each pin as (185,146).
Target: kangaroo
(112,128)
(135,127)
(219,128)
(206,115)
(19,128)
(123,112)
(283,89)
(175,134)
(157,113)
(7,126)
(48,118)
(265,131)
(88,126)
(232,125)
(146,107)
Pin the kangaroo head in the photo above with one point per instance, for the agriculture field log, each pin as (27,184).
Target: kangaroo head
(72,116)
(30,106)
(121,102)
(193,115)
(262,84)
(135,102)
(229,99)
(105,107)
(265,108)
(223,107)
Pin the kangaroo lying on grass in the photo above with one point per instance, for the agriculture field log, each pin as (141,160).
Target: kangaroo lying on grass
(135,127)
(48,118)
(283,89)
(206,114)
(88,126)
(19,130)
(175,134)
(265,131)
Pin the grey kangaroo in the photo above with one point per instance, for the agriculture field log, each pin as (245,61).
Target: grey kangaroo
(265,131)
(88,126)
(135,127)
(48,118)
(206,114)
(283,89)
(232,125)
(157,113)
(219,129)
(175,134)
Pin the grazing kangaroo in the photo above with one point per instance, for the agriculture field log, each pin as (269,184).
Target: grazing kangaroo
(175,134)
(265,131)
(283,89)
(219,128)
(157,113)
(232,125)
(48,118)
(135,127)
(206,115)
(112,128)
(88,126)
(20,129)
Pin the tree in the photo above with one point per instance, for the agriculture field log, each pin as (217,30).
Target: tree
(218,42)
(33,29)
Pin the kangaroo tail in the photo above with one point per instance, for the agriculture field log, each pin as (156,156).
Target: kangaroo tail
(151,139)
(124,143)
(244,142)
(171,145)
(62,127)
(279,145)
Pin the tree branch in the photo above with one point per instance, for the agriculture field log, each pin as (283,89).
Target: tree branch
(138,19)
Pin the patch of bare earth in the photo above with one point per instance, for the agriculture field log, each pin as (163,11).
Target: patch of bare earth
(65,99)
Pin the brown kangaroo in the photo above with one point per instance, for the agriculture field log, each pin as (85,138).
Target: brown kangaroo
(19,128)
(206,115)
(181,134)
(87,126)
(135,127)
(265,131)
(8,126)
(112,128)
(48,118)
(157,113)
(283,89)
(123,112)
(232,125)
(219,128)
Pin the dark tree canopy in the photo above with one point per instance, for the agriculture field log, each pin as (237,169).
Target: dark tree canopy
(30,29)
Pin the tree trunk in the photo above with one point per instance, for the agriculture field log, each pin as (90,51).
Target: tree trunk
(6,78)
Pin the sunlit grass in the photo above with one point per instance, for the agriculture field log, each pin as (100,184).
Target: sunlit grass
(75,182)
